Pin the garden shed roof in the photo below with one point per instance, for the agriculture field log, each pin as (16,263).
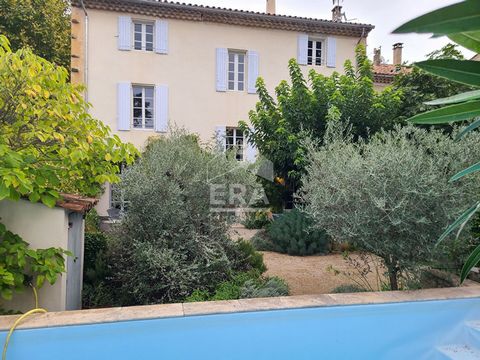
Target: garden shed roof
(183,11)
(76,203)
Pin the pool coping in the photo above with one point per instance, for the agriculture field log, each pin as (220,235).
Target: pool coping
(109,315)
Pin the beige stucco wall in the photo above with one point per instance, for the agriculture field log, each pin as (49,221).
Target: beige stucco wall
(189,70)
(41,227)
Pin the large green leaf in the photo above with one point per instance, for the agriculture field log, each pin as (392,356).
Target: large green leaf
(472,261)
(452,113)
(469,95)
(469,170)
(474,125)
(462,71)
(462,219)
(457,18)
(470,40)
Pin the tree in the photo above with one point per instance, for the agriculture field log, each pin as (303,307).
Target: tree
(460,23)
(42,25)
(48,141)
(390,196)
(48,144)
(302,109)
(419,86)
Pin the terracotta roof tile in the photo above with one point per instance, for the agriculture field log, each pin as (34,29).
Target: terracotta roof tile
(76,203)
(385,73)
(183,11)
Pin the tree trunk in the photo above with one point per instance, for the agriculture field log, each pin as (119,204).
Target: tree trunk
(392,273)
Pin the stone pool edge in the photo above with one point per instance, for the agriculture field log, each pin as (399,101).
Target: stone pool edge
(109,315)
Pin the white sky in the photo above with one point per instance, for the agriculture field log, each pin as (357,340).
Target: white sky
(385,15)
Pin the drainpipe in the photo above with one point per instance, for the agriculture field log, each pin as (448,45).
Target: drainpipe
(85,75)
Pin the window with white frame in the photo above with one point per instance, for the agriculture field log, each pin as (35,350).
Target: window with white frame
(316,52)
(236,70)
(143,36)
(235,142)
(143,105)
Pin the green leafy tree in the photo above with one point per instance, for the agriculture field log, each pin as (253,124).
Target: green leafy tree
(419,86)
(48,144)
(302,108)
(42,25)
(390,196)
(461,23)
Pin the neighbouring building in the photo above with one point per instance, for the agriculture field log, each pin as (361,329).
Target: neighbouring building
(384,74)
(43,227)
(151,65)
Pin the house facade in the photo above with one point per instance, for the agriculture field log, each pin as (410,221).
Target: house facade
(150,66)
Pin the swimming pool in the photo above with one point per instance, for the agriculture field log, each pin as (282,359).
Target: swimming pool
(439,329)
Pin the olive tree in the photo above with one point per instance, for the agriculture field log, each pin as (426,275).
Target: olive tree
(174,235)
(390,196)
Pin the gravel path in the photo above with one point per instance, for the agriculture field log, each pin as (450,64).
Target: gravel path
(309,274)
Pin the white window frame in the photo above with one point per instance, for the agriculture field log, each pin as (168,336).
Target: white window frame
(143,33)
(312,60)
(143,108)
(240,149)
(236,65)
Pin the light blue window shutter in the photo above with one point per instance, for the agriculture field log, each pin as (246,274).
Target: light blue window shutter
(252,71)
(331,52)
(124,33)
(161,37)
(222,61)
(124,102)
(221,137)
(302,49)
(161,108)
(251,153)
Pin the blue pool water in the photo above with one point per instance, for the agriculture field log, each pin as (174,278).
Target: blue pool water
(419,330)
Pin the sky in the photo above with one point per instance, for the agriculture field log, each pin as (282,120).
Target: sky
(385,15)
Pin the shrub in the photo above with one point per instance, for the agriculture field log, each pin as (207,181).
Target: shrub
(170,243)
(248,255)
(256,220)
(262,242)
(293,233)
(348,289)
(390,196)
(270,287)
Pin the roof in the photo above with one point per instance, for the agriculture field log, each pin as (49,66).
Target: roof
(385,73)
(183,11)
(76,203)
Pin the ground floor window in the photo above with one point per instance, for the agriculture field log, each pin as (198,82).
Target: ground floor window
(235,142)
(118,204)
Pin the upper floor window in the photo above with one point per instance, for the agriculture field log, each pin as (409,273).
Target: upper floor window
(316,50)
(143,36)
(143,105)
(236,70)
(235,140)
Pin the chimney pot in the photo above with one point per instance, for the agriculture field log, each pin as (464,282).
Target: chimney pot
(337,13)
(377,56)
(271,7)
(397,53)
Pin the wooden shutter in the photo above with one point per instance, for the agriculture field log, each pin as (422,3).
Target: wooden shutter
(331,52)
(221,137)
(222,61)
(161,108)
(302,49)
(124,33)
(124,103)
(252,71)
(161,37)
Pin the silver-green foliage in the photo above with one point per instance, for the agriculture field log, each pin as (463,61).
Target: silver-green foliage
(170,243)
(390,196)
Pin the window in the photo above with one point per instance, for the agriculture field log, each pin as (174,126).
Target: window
(315,52)
(118,204)
(143,36)
(236,71)
(143,107)
(235,141)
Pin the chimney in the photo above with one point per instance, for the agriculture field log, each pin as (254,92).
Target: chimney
(337,13)
(397,53)
(271,7)
(377,56)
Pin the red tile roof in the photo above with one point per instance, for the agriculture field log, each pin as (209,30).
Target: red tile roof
(385,73)
(76,203)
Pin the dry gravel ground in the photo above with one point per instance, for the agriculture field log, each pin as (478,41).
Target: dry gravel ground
(305,275)
(308,275)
